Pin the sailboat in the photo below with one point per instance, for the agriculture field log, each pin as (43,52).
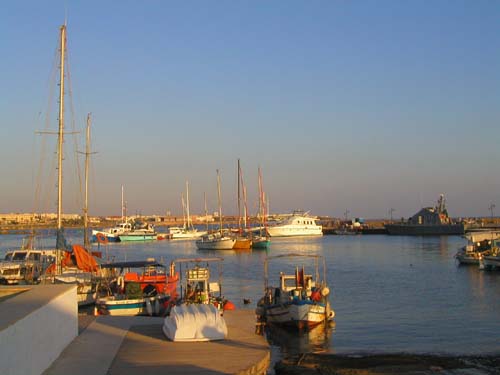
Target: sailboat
(113,234)
(242,242)
(262,240)
(188,231)
(75,264)
(217,240)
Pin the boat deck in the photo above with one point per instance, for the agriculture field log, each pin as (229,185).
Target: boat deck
(136,345)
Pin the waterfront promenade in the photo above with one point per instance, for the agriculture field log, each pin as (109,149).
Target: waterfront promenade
(136,345)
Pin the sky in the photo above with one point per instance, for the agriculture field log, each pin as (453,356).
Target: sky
(358,106)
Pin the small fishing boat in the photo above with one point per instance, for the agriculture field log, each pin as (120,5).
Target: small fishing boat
(300,300)
(215,241)
(139,232)
(491,259)
(112,234)
(478,244)
(137,288)
(197,313)
(242,243)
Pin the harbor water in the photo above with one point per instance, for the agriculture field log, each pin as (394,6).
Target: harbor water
(390,293)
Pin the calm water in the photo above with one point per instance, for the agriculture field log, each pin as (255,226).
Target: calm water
(390,294)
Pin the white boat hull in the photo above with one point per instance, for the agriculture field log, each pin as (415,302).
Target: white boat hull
(468,258)
(491,261)
(224,243)
(293,230)
(187,235)
(298,315)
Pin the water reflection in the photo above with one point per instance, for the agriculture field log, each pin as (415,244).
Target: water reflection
(292,342)
(389,293)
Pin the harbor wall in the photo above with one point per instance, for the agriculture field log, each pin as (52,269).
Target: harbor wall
(35,327)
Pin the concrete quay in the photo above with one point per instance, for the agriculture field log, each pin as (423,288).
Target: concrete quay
(137,345)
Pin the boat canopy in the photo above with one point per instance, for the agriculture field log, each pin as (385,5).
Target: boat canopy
(195,322)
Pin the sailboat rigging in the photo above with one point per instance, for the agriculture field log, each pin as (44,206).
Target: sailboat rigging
(216,241)
(188,231)
(87,153)
(261,241)
(242,242)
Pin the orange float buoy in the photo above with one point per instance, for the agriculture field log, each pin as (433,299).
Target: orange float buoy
(228,305)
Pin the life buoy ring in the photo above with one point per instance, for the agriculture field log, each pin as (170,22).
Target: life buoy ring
(101,238)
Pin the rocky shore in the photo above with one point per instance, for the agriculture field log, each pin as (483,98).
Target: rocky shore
(408,364)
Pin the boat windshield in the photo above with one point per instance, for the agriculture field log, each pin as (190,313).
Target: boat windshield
(19,255)
(8,256)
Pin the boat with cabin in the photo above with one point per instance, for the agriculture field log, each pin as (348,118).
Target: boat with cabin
(139,232)
(299,223)
(112,234)
(197,315)
(137,288)
(478,245)
(300,300)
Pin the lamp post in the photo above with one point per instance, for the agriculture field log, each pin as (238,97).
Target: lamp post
(391,212)
(345,214)
(492,207)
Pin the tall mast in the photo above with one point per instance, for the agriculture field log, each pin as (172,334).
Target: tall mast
(260,203)
(184,224)
(239,200)
(244,191)
(123,208)
(206,211)
(86,242)
(187,206)
(61,128)
(220,203)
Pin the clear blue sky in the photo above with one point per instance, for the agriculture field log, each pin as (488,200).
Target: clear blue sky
(358,105)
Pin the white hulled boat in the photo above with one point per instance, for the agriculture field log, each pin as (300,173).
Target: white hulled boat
(187,231)
(197,315)
(297,224)
(478,244)
(300,300)
(216,241)
(113,234)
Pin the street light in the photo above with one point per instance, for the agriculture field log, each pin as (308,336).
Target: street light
(492,207)
(345,214)
(390,213)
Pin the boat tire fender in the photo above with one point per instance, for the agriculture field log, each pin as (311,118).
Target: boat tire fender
(120,281)
(149,308)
